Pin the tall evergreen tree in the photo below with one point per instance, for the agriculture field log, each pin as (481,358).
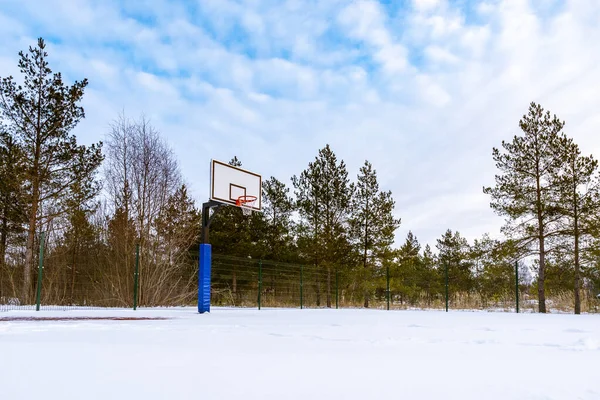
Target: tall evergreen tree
(372,222)
(578,201)
(278,208)
(592,274)
(430,275)
(323,192)
(524,189)
(310,229)
(121,237)
(454,254)
(12,203)
(41,113)
(178,226)
(408,271)
(80,242)
(560,272)
(493,268)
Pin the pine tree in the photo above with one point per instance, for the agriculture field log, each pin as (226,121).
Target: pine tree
(409,269)
(454,254)
(310,228)
(430,275)
(41,113)
(178,226)
(308,205)
(578,201)
(592,274)
(524,189)
(372,222)
(12,202)
(278,208)
(80,235)
(493,268)
(560,272)
(117,274)
(323,194)
(178,230)
(80,240)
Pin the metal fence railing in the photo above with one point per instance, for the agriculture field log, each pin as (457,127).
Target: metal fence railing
(141,278)
(258,283)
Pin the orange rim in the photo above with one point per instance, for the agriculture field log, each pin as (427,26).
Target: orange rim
(245,199)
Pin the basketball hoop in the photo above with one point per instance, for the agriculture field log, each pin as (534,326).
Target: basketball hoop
(246,203)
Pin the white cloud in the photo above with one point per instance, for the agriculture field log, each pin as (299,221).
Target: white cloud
(431,92)
(438,55)
(365,21)
(425,5)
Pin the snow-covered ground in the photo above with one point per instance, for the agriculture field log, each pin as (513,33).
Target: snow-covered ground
(300,354)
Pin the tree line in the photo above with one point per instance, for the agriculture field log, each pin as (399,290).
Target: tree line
(111,205)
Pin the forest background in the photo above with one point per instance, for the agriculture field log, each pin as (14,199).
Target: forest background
(116,217)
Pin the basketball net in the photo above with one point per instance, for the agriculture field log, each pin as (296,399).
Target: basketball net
(246,203)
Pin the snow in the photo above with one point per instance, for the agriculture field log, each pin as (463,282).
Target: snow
(300,354)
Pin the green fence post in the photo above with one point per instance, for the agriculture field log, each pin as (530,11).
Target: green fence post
(517,284)
(38,295)
(336,289)
(136,274)
(301,286)
(446,267)
(259,281)
(387,290)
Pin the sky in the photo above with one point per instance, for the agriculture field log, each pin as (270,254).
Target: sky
(423,89)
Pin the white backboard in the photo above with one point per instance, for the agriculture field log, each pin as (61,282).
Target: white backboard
(227,183)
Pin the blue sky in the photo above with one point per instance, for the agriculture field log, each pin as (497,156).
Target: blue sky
(421,88)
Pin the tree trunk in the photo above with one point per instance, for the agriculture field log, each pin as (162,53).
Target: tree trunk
(25,292)
(3,238)
(541,237)
(35,198)
(541,277)
(365,256)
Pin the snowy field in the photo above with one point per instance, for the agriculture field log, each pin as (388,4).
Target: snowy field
(300,354)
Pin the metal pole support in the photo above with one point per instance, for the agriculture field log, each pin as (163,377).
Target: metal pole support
(205,258)
(38,295)
(517,285)
(207,219)
(136,275)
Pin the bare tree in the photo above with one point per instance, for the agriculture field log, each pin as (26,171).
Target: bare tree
(144,184)
(155,175)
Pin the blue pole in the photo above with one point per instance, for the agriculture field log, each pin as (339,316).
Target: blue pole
(204,278)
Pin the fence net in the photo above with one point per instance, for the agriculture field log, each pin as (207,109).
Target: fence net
(92,282)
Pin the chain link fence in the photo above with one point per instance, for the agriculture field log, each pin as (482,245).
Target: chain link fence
(138,278)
